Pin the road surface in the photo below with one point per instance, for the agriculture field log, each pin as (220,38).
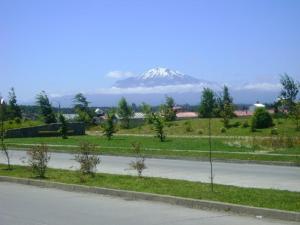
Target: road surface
(23,205)
(244,175)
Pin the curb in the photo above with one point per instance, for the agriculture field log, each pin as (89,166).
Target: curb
(185,202)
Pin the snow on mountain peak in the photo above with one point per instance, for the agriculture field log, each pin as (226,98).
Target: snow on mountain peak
(160,72)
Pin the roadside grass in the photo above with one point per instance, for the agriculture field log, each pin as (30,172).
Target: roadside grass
(195,148)
(12,124)
(199,126)
(266,198)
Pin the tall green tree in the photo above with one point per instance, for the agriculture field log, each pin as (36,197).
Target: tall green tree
(167,109)
(14,110)
(208,103)
(81,107)
(146,109)
(109,125)
(46,108)
(125,112)
(3,112)
(289,91)
(226,107)
(159,125)
(64,126)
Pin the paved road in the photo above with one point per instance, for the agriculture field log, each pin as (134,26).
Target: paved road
(244,175)
(23,205)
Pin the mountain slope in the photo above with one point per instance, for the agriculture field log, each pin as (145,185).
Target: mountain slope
(158,77)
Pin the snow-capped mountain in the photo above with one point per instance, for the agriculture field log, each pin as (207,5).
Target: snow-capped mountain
(158,77)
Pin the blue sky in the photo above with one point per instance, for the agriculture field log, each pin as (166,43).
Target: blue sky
(64,47)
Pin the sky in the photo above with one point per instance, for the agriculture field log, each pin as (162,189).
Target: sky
(70,46)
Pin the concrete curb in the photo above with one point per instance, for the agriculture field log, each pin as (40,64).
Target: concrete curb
(185,202)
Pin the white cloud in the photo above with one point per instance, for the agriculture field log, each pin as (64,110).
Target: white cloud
(117,74)
(260,86)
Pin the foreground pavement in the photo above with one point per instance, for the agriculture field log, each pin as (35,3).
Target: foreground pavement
(22,205)
(244,175)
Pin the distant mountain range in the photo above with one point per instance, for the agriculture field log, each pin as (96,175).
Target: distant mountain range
(153,85)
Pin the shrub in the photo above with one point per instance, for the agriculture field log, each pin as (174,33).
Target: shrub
(188,126)
(159,124)
(245,124)
(200,131)
(223,130)
(274,131)
(139,163)
(18,120)
(38,159)
(88,158)
(236,124)
(261,119)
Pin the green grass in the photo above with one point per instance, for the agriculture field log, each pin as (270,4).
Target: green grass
(266,198)
(24,123)
(200,125)
(173,147)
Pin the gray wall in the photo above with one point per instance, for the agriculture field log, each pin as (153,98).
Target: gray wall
(49,130)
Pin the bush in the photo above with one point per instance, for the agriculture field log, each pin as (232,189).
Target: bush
(139,163)
(38,159)
(88,158)
(188,126)
(274,131)
(236,124)
(245,124)
(200,131)
(261,119)
(18,120)
(223,130)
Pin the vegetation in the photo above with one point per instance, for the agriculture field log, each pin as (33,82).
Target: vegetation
(167,109)
(3,145)
(125,112)
(266,198)
(46,108)
(289,92)
(64,126)
(139,163)
(81,107)
(88,158)
(226,107)
(261,119)
(159,125)
(13,109)
(109,126)
(38,159)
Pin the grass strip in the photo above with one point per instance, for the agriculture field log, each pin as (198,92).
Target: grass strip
(266,198)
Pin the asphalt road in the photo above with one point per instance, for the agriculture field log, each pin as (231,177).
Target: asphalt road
(24,205)
(244,175)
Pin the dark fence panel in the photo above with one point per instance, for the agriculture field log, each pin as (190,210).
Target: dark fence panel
(49,130)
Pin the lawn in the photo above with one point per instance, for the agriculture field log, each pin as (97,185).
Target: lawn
(199,127)
(172,147)
(266,198)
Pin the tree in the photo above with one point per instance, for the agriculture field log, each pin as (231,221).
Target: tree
(159,125)
(81,107)
(109,126)
(38,159)
(3,145)
(88,158)
(46,108)
(261,119)
(226,107)
(14,111)
(125,112)
(64,126)
(295,114)
(289,91)
(208,103)
(139,163)
(146,109)
(206,110)
(167,109)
